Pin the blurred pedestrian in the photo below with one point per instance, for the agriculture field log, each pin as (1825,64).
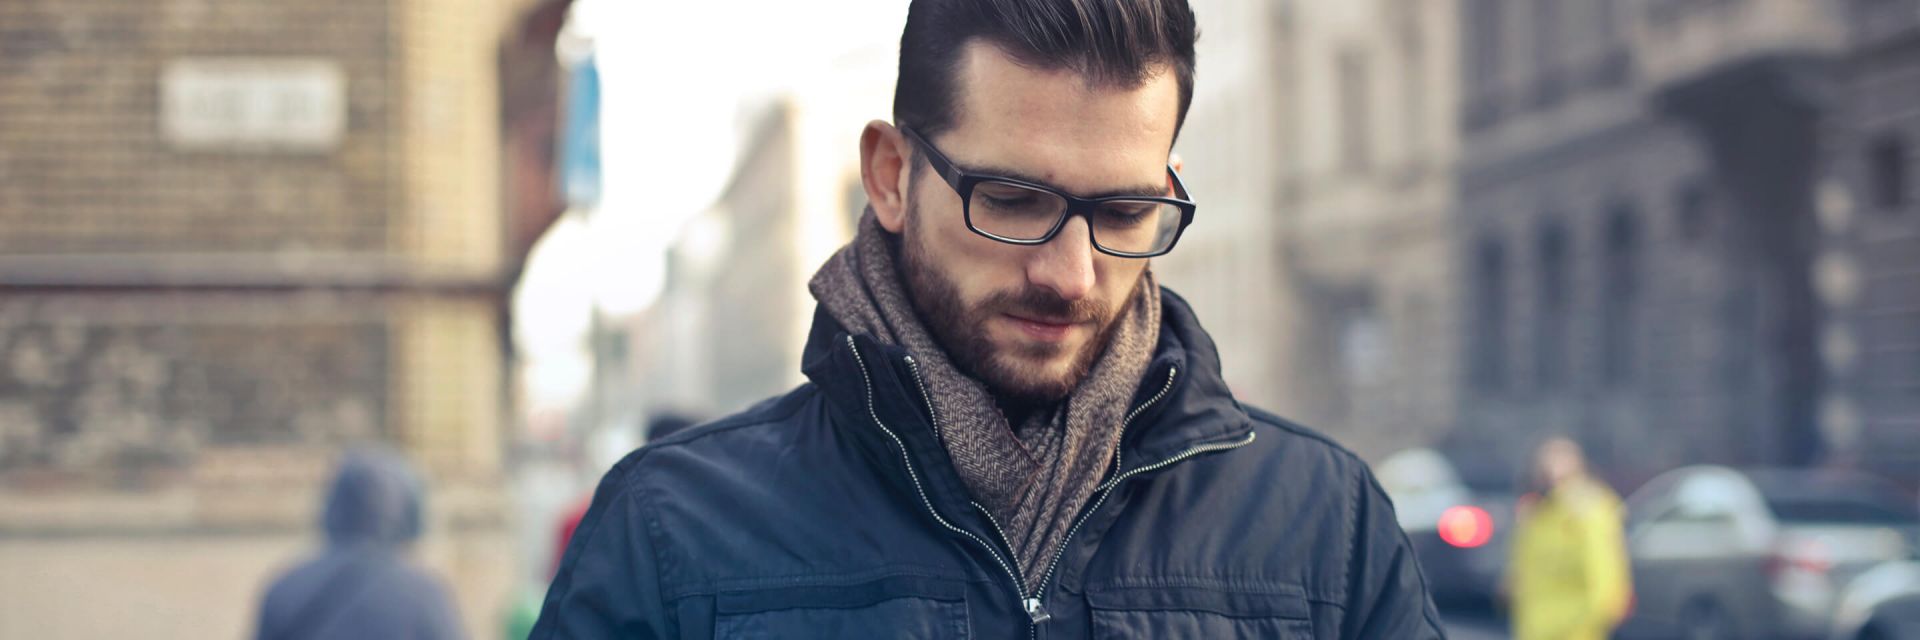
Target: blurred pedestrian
(1568,575)
(666,423)
(361,586)
(1010,428)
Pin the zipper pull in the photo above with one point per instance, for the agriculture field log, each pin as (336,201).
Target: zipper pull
(1036,612)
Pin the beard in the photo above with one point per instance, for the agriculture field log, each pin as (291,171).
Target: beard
(1019,375)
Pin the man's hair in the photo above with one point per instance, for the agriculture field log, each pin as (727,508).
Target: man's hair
(1112,43)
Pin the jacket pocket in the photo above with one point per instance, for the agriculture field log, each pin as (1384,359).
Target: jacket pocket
(1195,612)
(895,607)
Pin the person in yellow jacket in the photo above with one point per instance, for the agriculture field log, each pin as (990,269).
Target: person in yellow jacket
(1567,576)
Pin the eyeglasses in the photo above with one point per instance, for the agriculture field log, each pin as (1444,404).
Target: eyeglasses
(1026,213)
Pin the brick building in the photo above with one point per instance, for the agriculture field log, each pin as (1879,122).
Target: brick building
(235,237)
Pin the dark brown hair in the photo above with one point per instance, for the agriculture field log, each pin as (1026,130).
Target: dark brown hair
(1110,42)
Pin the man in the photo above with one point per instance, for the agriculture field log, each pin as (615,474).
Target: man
(1568,577)
(361,585)
(1010,429)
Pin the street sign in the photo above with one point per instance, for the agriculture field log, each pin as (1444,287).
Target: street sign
(253,104)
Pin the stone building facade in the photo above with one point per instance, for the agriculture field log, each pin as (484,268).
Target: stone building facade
(1868,269)
(1225,263)
(234,238)
(1364,98)
(1635,211)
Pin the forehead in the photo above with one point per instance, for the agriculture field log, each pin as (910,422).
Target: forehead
(1053,123)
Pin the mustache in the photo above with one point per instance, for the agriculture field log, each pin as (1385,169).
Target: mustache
(1042,304)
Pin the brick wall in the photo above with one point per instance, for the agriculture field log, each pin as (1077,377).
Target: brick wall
(135,384)
(84,167)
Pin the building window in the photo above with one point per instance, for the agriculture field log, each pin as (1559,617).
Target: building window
(1365,352)
(1481,62)
(1550,312)
(1620,303)
(1549,41)
(1489,318)
(1413,106)
(1887,173)
(1483,35)
(1694,207)
(1355,109)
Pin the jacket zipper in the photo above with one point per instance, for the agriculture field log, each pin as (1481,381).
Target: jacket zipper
(1018,585)
(1035,607)
(1031,605)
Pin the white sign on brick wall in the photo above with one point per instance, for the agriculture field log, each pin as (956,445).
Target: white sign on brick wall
(258,104)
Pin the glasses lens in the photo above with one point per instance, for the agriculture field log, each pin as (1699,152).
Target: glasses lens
(1014,212)
(1135,226)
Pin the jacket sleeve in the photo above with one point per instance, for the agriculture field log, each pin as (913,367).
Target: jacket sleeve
(1604,556)
(1387,594)
(608,583)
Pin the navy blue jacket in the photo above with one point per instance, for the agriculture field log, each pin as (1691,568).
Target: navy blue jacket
(361,585)
(834,512)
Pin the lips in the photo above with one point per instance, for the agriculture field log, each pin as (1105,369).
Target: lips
(1042,329)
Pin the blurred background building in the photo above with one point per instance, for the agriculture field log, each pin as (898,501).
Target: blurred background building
(1639,235)
(1656,225)
(1365,93)
(234,237)
(1867,261)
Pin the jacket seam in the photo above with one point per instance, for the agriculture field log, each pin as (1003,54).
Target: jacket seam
(1263,417)
(654,535)
(1427,611)
(1352,536)
(1200,582)
(798,399)
(804,581)
(624,491)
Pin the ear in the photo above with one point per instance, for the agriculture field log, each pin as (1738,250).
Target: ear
(883,171)
(1179,166)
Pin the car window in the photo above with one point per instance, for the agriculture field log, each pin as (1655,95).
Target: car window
(1842,510)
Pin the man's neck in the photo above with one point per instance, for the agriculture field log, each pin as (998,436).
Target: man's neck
(1017,412)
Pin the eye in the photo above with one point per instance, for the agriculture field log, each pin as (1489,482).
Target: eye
(1127,213)
(1015,200)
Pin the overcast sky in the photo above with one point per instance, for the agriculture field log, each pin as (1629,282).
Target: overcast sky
(672,76)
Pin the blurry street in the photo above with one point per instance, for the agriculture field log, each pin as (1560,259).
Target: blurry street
(239,240)
(1473,625)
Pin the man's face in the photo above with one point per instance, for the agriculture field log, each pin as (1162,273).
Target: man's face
(1029,321)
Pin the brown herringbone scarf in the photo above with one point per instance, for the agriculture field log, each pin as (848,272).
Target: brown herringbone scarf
(1032,480)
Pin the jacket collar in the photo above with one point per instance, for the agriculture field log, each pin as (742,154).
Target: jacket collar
(1199,409)
(866,382)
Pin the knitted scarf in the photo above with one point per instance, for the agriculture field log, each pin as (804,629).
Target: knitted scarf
(1032,478)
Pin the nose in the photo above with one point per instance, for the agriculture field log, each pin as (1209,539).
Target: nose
(1065,263)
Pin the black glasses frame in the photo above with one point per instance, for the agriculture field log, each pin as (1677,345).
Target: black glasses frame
(963,182)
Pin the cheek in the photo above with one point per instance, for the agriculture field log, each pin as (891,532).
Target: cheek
(1117,277)
(978,266)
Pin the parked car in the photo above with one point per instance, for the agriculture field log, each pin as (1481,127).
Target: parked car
(1881,604)
(1725,553)
(1457,508)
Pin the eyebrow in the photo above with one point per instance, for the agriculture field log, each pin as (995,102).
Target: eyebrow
(1159,191)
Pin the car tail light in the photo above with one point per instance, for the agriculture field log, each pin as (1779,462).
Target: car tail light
(1466,526)
(1808,556)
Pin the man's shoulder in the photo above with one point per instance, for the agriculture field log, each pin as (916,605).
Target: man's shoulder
(761,416)
(1307,449)
(733,440)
